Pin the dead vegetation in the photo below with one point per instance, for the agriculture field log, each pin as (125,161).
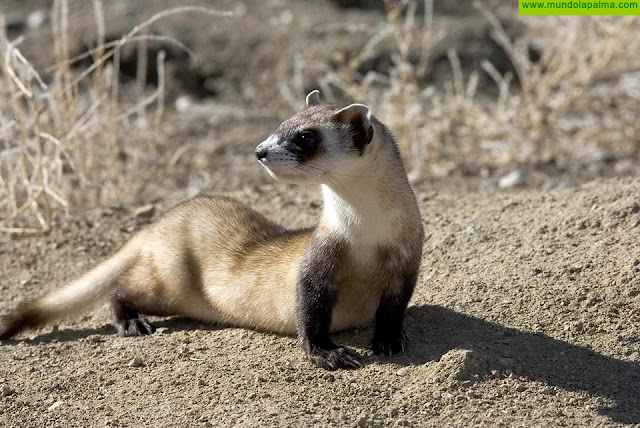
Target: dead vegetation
(554,106)
(62,142)
(69,138)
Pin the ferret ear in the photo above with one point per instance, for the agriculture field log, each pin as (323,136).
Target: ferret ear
(358,116)
(313,98)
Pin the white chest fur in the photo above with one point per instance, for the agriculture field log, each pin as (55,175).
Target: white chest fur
(361,219)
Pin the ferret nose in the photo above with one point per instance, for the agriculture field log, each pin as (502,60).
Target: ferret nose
(261,152)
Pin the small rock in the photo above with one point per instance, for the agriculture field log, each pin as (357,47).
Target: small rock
(184,103)
(520,388)
(362,421)
(462,364)
(624,166)
(567,184)
(6,390)
(54,405)
(95,338)
(136,362)
(37,18)
(578,326)
(403,371)
(513,179)
(201,382)
(251,395)
(574,269)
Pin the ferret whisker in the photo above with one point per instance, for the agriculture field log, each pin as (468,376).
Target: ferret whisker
(322,173)
(323,165)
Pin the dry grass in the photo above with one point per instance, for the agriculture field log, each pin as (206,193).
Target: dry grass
(68,141)
(555,106)
(68,138)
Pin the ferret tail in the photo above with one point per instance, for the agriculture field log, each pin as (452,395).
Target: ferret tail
(73,297)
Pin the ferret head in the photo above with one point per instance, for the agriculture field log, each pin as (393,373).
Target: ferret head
(320,143)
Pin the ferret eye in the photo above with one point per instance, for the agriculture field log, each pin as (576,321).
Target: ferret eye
(306,137)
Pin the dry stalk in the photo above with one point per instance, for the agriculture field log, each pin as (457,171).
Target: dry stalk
(61,142)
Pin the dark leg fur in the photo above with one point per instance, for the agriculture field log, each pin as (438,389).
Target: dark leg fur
(389,337)
(314,322)
(315,297)
(127,320)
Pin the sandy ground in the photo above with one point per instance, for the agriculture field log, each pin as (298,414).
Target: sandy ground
(526,314)
(526,311)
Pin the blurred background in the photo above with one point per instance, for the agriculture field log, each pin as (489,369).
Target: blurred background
(115,102)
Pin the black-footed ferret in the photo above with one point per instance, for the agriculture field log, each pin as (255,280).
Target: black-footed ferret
(215,259)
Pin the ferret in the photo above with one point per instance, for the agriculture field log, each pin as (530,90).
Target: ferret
(217,260)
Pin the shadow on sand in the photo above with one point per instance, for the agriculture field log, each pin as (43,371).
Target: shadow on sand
(174,324)
(433,331)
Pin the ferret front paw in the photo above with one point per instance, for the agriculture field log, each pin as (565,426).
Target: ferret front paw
(390,345)
(134,327)
(336,358)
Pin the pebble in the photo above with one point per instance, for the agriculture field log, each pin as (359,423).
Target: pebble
(54,405)
(403,371)
(95,338)
(37,18)
(363,421)
(513,179)
(568,184)
(184,103)
(136,362)
(578,326)
(6,390)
